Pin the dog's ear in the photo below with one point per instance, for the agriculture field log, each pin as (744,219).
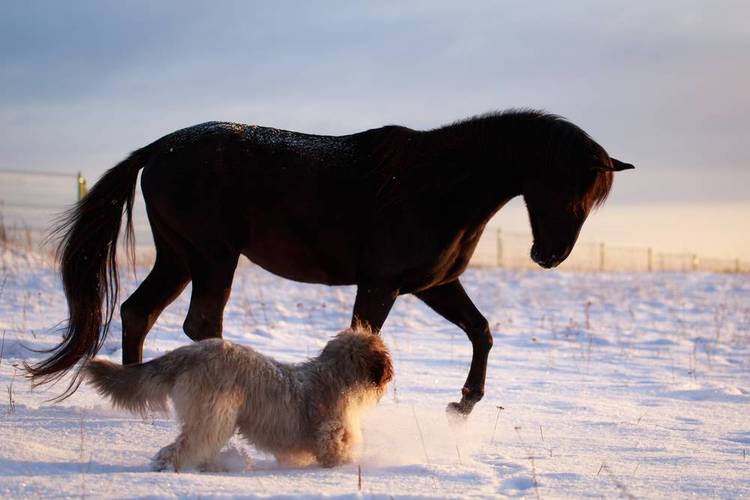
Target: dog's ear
(381,368)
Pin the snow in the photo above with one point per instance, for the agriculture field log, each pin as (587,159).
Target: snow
(598,385)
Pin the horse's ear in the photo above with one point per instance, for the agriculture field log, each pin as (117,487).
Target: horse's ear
(617,166)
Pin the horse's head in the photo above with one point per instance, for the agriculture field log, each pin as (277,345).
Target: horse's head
(560,196)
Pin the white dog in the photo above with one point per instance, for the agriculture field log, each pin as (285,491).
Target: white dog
(300,413)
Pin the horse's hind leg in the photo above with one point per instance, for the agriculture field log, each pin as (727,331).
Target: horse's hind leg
(139,312)
(212,283)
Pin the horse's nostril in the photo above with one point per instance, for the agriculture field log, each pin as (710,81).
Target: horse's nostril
(545,261)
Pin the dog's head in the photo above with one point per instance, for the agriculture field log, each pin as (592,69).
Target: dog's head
(380,367)
(361,353)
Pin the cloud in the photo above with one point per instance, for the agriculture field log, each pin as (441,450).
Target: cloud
(662,85)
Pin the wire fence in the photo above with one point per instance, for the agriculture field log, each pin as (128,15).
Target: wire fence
(511,250)
(31,201)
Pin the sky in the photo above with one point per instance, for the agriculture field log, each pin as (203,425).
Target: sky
(662,85)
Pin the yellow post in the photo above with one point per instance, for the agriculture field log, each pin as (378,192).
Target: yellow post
(81,186)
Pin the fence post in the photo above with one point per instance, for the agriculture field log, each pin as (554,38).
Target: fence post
(81,186)
(737,266)
(650,259)
(601,256)
(499,247)
(695,262)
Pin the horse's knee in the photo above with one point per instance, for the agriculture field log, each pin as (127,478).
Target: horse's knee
(480,335)
(201,327)
(134,328)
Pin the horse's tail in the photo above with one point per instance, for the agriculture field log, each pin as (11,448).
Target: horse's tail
(87,244)
(136,388)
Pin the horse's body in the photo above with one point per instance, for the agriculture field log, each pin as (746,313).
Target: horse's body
(301,206)
(391,210)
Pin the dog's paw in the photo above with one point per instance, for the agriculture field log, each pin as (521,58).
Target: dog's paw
(233,459)
(157,465)
(334,458)
(334,444)
(164,460)
(213,466)
(294,459)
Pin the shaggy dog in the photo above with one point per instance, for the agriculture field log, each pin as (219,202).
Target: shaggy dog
(298,412)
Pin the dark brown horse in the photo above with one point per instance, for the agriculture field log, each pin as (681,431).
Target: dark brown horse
(391,210)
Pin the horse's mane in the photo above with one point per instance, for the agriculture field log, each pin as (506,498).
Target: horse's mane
(564,140)
(509,137)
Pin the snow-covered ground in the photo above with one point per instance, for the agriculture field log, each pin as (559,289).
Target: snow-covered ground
(598,385)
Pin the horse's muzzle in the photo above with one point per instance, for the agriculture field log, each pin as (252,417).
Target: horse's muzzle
(546,261)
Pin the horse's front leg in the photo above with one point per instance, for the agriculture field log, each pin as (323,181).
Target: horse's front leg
(451,302)
(372,305)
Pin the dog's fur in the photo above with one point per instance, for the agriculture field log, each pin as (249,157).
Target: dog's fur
(300,413)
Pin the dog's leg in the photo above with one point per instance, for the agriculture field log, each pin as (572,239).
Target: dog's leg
(333,444)
(207,424)
(195,448)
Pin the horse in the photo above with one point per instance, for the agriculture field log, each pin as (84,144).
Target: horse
(391,210)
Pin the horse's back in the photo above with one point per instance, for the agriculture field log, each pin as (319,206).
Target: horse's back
(290,202)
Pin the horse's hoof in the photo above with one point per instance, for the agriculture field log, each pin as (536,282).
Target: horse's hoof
(457,413)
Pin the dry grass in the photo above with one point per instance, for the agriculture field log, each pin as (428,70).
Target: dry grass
(20,237)
(12,395)
(3,231)
(85,464)
(530,455)
(433,476)
(616,481)
(2,347)
(494,429)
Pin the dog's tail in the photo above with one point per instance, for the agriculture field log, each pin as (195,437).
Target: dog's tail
(136,388)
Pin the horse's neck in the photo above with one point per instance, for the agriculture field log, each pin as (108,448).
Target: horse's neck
(476,169)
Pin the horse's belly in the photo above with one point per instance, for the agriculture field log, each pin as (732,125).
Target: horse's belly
(306,271)
(329,261)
